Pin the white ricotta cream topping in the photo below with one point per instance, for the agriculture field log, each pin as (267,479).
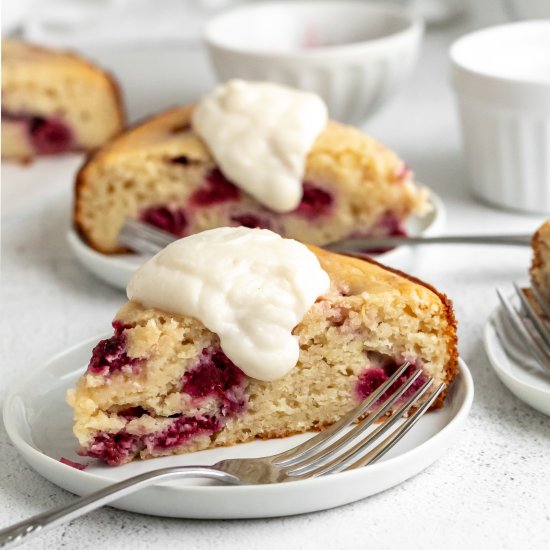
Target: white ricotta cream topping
(249,286)
(260,135)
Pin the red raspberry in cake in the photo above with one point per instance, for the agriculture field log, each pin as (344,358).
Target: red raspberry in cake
(113,448)
(110,355)
(216,375)
(315,203)
(50,136)
(216,189)
(180,431)
(170,219)
(369,380)
(373,377)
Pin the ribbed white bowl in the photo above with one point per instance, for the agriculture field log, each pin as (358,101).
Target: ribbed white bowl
(502,79)
(358,53)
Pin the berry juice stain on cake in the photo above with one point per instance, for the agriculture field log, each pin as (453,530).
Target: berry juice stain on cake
(217,376)
(109,356)
(113,448)
(215,190)
(388,225)
(316,202)
(373,377)
(47,136)
(50,136)
(122,447)
(180,431)
(170,219)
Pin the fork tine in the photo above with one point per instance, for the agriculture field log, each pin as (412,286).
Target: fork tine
(306,463)
(311,445)
(341,461)
(142,237)
(148,230)
(384,446)
(538,323)
(517,323)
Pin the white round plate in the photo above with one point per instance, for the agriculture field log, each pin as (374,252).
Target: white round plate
(515,367)
(117,269)
(38,422)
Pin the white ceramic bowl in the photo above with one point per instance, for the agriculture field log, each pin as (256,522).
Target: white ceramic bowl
(354,54)
(502,79)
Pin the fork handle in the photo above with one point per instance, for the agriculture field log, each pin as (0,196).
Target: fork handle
(358,245)
(25,530)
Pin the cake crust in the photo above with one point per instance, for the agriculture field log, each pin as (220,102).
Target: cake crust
(540,264)
(449,332)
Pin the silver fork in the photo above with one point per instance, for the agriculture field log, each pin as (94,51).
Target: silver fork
(148,239)
(530,323)
(334,450)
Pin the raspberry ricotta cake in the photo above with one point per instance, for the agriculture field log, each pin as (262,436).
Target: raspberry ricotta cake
(164,173)
(540,266)
(164,383)
(54,102)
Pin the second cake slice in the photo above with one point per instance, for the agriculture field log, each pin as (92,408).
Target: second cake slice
(164,174)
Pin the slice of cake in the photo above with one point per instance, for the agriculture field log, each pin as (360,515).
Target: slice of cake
(54,102)
(540,265)
(297,337)
(161,172)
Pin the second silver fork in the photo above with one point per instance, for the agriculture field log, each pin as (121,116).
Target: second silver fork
(530,323)
(147,239)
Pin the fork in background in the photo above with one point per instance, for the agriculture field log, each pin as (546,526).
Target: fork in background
(143,238)
(530,323)
(148,239)
(333,450)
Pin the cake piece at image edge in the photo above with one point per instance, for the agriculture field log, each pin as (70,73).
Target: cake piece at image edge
(540,265)
(253,155)
(235,334)
(54,102)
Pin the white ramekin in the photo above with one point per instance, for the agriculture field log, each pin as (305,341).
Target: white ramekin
(362,50)
(501,76)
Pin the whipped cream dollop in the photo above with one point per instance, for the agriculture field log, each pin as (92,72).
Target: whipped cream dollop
(260,135)
(249,286)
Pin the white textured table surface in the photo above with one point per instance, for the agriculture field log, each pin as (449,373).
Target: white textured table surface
(490,490)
